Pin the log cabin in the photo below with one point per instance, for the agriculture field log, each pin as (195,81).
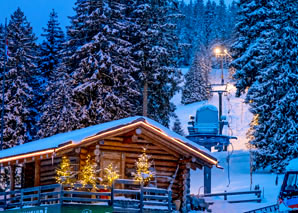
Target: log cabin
(119,142)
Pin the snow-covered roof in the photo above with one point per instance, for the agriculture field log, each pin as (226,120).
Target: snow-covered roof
(77,136)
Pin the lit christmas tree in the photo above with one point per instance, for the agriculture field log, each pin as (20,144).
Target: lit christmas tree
(88,174)
(143,173)
(65,174)
(110,175)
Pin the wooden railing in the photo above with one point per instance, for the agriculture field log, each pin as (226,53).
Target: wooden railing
(225,194)
(138,198)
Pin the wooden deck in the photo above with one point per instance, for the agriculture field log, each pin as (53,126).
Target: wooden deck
(129,196)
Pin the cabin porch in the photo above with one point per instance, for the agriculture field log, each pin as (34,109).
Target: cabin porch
(131,196)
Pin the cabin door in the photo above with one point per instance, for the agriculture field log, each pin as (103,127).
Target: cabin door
(113,158)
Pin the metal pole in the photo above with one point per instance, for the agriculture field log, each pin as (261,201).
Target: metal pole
(220,112)
(207,177)
(3,86)
(221,66)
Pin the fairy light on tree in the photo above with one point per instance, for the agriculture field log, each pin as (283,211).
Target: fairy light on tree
(111,174)
(65,173)
(143,173)
(88,174)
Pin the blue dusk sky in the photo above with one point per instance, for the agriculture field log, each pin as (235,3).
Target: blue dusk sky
(37,11)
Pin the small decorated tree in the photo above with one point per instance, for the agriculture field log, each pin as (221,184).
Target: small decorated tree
(88,174)
(65,173)
(143,173)
(110,174)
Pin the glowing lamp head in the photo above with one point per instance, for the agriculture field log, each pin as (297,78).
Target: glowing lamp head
(217,51)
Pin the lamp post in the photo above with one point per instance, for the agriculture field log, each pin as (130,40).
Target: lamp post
(221,52)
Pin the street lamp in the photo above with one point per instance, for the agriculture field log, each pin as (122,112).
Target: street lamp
(221,52)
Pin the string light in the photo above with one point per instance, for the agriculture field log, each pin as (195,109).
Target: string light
(143,173)
(88,174)
(65,174)
(111,174)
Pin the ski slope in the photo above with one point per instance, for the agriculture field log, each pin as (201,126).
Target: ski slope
(239,118)
(234,108)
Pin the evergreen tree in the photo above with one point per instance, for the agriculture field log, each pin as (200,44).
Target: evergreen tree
(59,110)
(99,68)
(2,46)
(221,29)
(177,126)
(65,174)
(209,18)
(156,51)
(104,83)
(51,47)
(272,94)
(88,174)
(19,114)
(110,174)
(246,51)
(143,173)
(203,25)
(231,21)
(195,87)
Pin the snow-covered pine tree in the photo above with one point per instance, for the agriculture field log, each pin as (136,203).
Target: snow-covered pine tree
(104,85)
(209,20)
(2,46)
(20,77)
(61,112)
(99,69)
(273,96)
(156,50)
(177,126)
(246,50)
(195,87)
(221,21)
(231,20)
(51,47)
(49,53)
(59,109)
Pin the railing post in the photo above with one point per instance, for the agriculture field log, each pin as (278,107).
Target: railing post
(22,198)
(225,196)
(5,200)
(61,194)
(38,201)
(141,198)
(112,195)
(170,200)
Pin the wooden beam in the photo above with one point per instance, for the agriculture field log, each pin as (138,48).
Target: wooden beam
(154,156)
(37,172)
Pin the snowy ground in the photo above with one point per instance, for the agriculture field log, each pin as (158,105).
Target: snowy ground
(239,181)
(239,117)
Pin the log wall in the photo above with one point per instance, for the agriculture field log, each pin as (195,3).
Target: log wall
(164,164)
(123,152)
(48,167)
